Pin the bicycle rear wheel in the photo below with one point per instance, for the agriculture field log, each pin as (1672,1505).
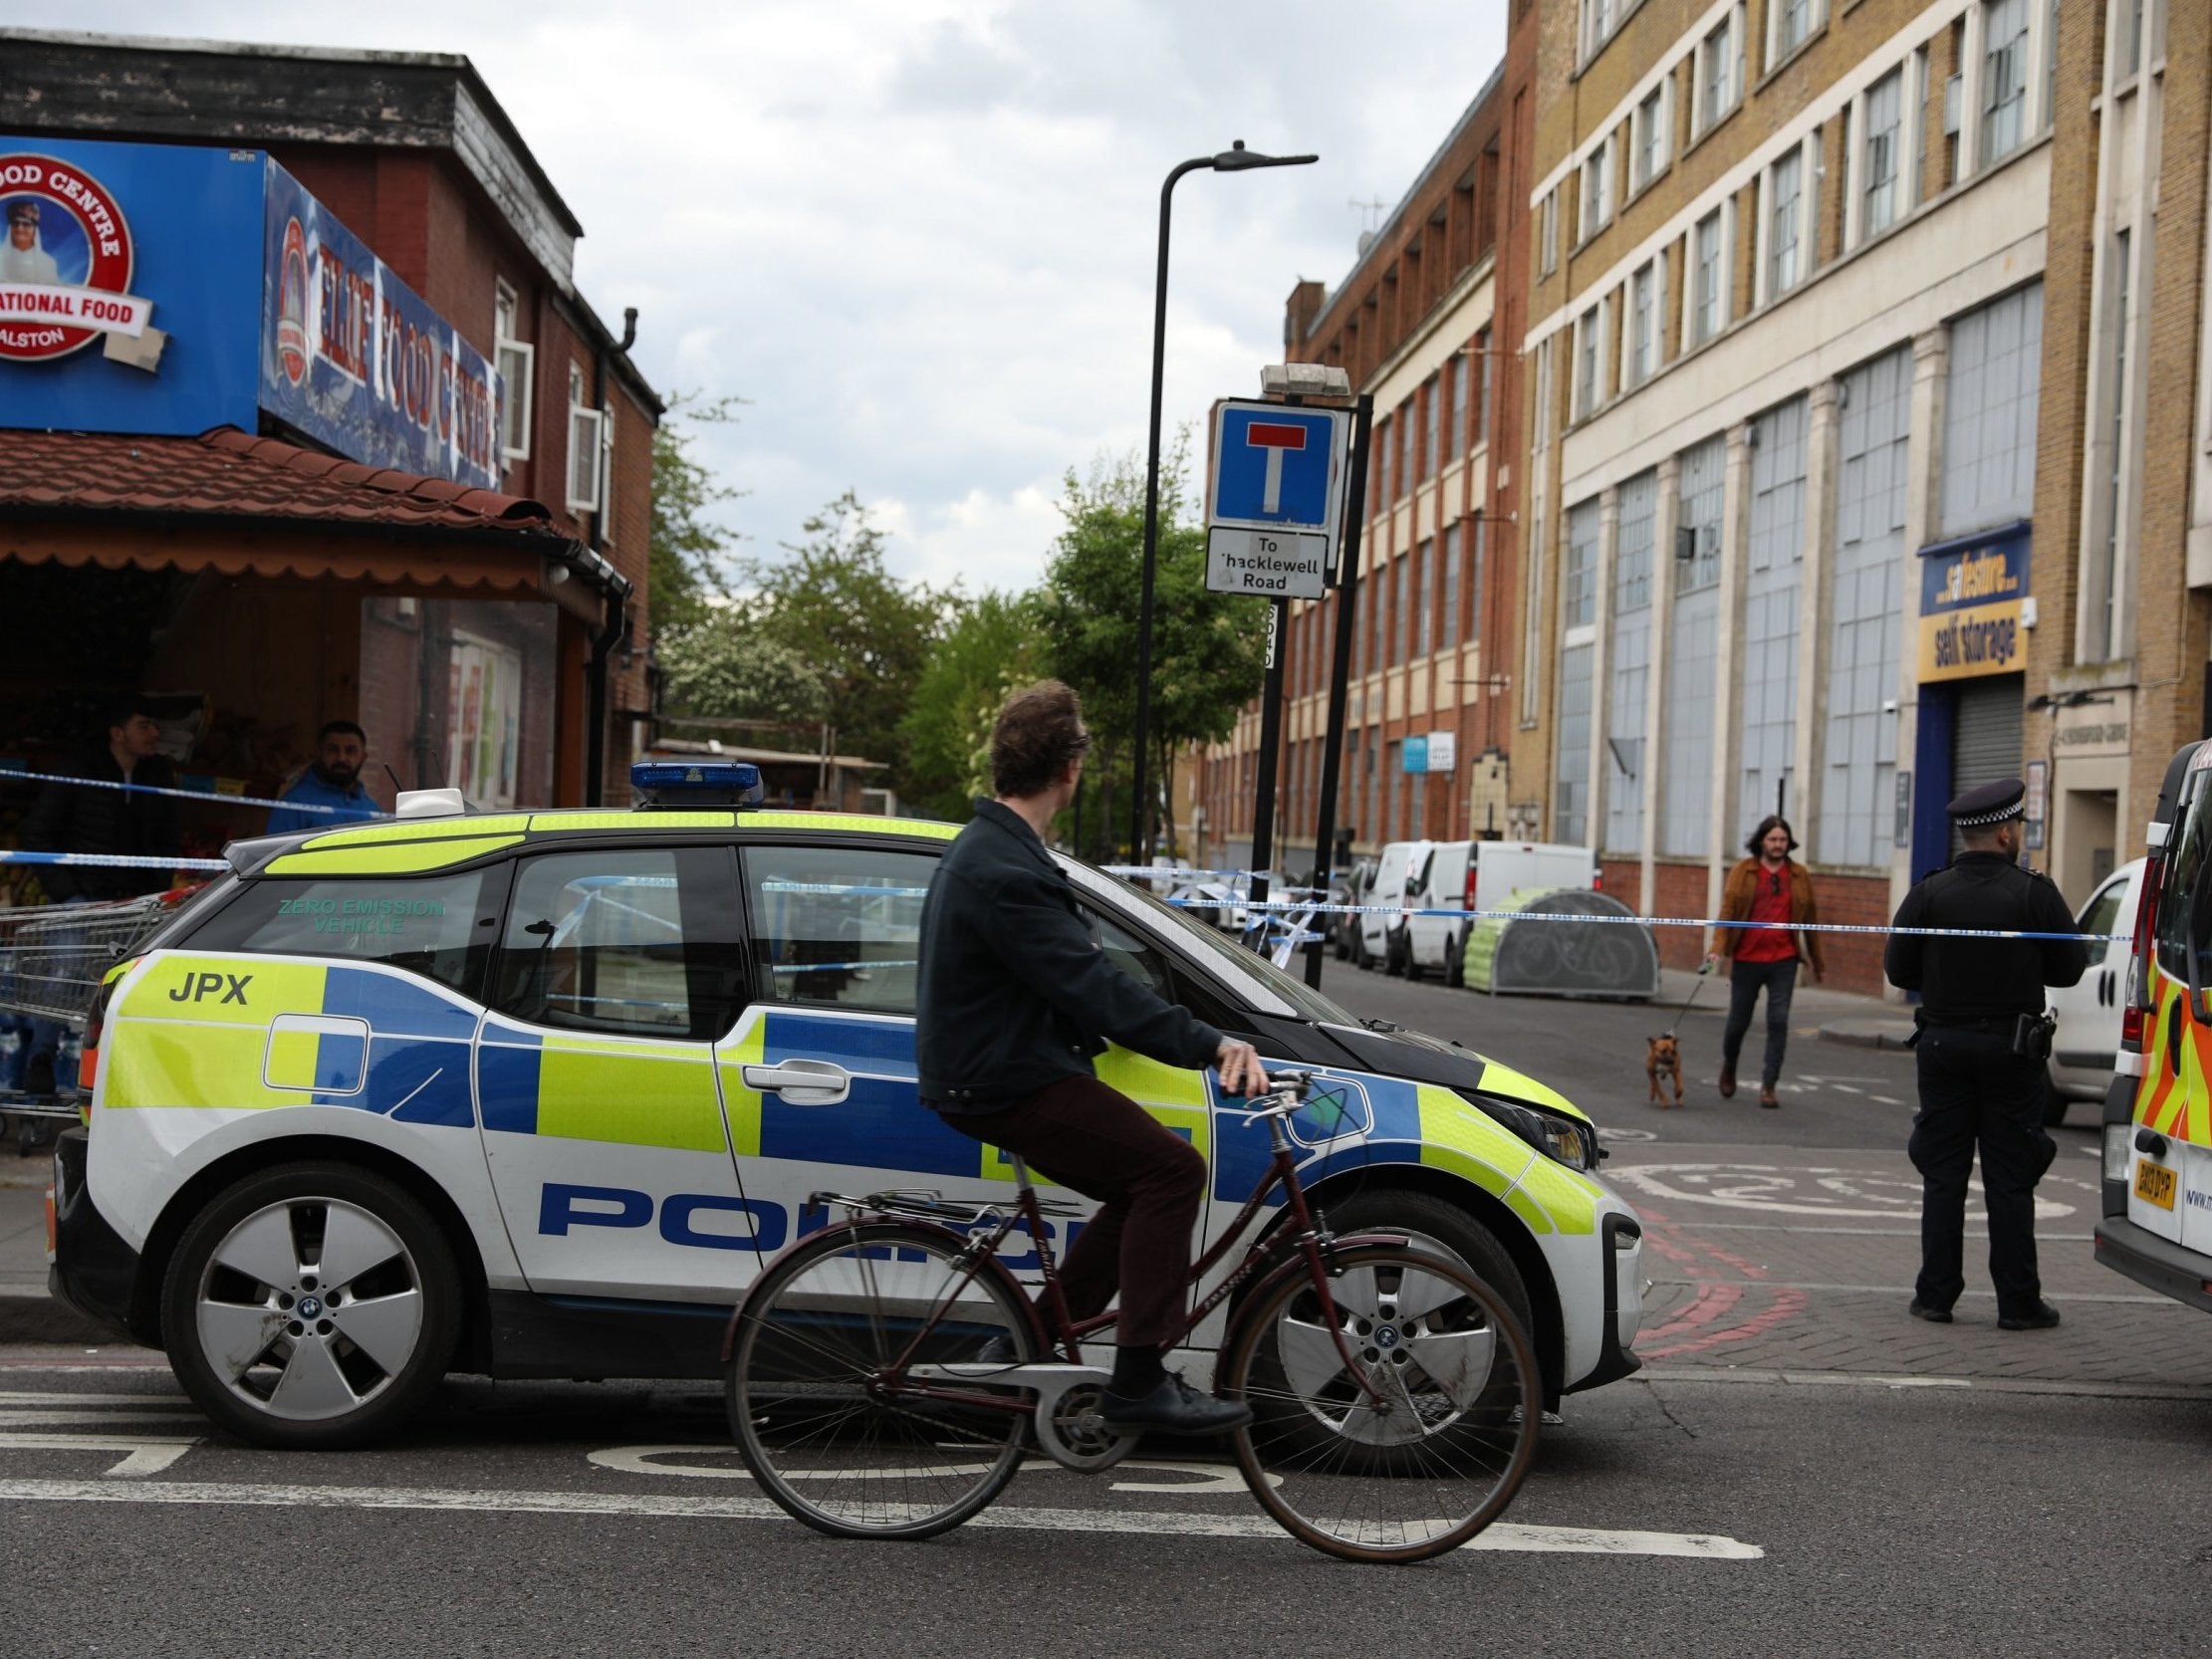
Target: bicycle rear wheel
(1420,1442)
(823,1436)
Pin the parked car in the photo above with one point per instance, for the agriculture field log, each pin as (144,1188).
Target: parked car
(1347,888)
(2087,1037)
(536,1094)
(1382,936)
(1478,877)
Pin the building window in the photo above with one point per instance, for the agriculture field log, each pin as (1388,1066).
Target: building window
(1774,552)
(1589,348)
(1716,73)
(1400,607)
(2131,38)
(2100,604)
(1709,297)
(1447,611)
(1628,660)
(1579,573)
(1686,726)
(1460,438)
(1424,601)
(1785,202)
(1793,23)
(1651,135)
(2004,78)
(517,364)
(1547,234)
(1434,400)
(1597,194)
(1645,302)
(1598,18)
(586,482)
(1884,118)
(1988,420)
(1482,388)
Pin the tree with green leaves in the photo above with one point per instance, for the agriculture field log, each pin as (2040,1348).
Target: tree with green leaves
(865,633)
(991,648)
(687,548)
(1209,650)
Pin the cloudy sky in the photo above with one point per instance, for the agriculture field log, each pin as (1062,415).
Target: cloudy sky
(919,236)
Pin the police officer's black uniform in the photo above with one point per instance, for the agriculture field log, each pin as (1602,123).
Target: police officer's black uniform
(1977,1086)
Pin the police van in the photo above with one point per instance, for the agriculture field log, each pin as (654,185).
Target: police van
(537,1093)
(2156,1226)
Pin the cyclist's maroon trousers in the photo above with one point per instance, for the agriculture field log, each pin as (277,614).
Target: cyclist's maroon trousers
(1081,1134)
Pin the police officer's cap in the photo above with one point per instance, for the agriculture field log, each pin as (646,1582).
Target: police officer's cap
(1988,804)
(23,212)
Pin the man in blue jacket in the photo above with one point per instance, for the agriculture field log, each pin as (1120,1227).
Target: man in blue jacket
(334,781)
(1014,997)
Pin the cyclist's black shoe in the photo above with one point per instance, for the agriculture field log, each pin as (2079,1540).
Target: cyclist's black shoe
(1173,1407)
(1929,1312)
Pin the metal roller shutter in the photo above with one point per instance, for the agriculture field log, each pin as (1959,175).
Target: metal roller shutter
(1985,735)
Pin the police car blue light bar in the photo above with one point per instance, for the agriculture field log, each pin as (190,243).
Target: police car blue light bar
(675,784)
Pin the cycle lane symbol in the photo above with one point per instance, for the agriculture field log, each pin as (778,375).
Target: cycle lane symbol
(1774,1190)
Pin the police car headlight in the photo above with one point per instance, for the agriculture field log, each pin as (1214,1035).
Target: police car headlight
(1568,1139)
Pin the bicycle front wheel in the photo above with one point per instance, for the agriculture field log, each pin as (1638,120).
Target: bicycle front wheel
(822,1430)
(1414,1446)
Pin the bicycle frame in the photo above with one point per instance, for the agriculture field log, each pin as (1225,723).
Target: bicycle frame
(980,1248)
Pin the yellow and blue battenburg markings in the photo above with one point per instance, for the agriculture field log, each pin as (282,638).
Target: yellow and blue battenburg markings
(260,1031)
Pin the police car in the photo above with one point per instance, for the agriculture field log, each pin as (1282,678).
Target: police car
(536,1094)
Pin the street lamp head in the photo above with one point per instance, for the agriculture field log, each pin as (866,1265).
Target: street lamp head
(1236,158)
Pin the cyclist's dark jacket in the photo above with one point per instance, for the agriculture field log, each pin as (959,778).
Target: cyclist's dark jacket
(1013,990)
(1966,982)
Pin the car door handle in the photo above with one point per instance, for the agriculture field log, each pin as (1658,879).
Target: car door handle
(801,1082)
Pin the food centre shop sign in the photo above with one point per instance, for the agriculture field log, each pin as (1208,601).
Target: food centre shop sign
(217,289)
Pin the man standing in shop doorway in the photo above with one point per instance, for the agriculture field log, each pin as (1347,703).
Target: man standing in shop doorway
(332,781)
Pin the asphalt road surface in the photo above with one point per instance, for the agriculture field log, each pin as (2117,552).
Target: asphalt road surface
(1799,1469)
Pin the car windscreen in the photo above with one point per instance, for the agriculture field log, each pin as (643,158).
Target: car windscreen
(1221,952)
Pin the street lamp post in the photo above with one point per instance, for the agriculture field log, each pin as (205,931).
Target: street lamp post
(1234,159)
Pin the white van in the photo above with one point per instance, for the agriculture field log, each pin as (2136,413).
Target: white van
(1400,868)
(1479,875)
(2087,1037)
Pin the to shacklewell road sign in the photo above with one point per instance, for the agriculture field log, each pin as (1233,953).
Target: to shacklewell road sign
(1275,499)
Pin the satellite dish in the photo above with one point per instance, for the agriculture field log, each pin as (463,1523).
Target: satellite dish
(1367,241)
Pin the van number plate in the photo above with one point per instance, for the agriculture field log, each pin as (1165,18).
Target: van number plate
(2154,1184)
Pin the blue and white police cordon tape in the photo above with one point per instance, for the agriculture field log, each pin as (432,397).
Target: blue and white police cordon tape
(1303,908)
(108,860)
(180,794)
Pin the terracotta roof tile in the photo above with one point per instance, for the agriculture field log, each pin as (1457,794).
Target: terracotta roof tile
(227,471)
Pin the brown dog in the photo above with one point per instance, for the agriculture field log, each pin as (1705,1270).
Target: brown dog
(1664,1059)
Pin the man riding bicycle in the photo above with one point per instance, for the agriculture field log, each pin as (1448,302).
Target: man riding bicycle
(1015,996)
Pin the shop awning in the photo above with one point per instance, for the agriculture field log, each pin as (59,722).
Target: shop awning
(232,502)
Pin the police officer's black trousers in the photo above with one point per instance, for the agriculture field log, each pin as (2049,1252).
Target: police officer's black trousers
(1974,1090)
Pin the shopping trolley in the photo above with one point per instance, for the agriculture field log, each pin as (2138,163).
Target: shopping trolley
(52,960)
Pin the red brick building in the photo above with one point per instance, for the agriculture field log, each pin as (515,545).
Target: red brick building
(1428,323)
(487,622)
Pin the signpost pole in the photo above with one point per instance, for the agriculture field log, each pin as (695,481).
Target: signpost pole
(1271,742)
(1339,671)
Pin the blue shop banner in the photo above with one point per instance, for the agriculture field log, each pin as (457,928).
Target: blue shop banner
(353,357)
(129,285)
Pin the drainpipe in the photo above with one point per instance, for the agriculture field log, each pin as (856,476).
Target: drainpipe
(603,642)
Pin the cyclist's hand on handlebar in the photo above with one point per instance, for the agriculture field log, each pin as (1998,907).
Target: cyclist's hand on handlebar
(1241,1071)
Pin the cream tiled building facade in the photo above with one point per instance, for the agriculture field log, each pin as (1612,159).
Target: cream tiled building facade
(1784,361)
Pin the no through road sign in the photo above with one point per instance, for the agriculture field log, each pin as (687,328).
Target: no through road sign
(1277,466)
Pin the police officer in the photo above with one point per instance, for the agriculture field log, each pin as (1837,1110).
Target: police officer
(1982,1044)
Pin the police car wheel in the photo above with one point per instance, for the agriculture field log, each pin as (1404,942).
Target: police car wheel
(311,1306)
(1433,1223)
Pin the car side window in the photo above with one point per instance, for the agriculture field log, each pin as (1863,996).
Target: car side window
(635,942)
(425,924)
(2100,915)
(837,927)
(1133,956)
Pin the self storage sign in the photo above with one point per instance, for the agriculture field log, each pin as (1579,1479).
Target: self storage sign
(1972,596)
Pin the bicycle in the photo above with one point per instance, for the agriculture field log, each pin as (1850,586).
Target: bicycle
(881,1372)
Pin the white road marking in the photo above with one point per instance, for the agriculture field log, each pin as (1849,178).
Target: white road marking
(652,1460)
(1582,1540)
(1846,1089)
(124,1404)
(1776,1190)
(64,1417)
(2097,1388)
(144,1454)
